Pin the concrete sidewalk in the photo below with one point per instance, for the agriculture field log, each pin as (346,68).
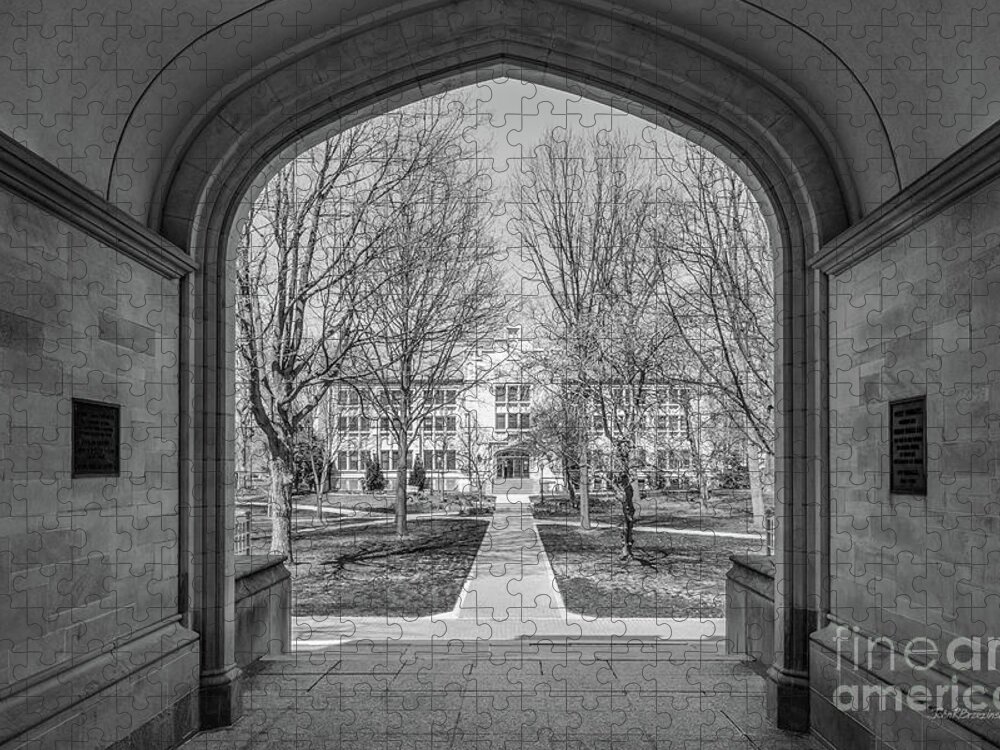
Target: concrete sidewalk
(510,593)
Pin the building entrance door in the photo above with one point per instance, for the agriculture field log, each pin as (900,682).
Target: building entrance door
(513,466)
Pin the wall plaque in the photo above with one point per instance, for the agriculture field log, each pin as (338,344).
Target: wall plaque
(95,439)
(908,446)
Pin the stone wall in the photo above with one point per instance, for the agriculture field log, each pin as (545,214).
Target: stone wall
(263,608)
(918,318)
(750,609)
(88,564)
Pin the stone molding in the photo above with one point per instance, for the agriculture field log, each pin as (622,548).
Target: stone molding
(753,572)
(959,176)
(32,178)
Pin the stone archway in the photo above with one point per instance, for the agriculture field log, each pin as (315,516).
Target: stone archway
(670,77)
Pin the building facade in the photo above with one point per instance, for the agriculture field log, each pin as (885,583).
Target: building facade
(479,433)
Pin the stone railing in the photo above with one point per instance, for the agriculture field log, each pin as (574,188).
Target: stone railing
(263,607)
(750,608)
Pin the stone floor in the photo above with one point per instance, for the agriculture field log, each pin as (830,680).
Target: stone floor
(531,693)
(509,667)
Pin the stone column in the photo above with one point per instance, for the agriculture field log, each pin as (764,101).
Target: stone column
(800,483)
(208,489)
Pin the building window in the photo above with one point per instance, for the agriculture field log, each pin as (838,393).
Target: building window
(513,405)
(445,396)
(440,460)
(389,459)
(513,394)
(672,424)
(348,396)
(439,424)
(349,460)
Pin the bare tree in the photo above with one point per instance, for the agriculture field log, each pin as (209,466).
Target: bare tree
(304,254)
(477,448)
(634,342)
(586,210)
(559,425)
(721,296)
(328,443)
(433,294)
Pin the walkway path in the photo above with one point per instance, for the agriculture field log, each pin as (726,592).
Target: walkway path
(508,667)
(510,593)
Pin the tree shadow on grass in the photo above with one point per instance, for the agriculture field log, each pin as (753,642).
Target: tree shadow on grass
(369,555)
(372,572)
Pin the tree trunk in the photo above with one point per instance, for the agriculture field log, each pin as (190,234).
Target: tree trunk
(322,486)
(584,489)
(702,487)
(570,486)
(756,483)
(401,478)
(694,444)
(626,490)
(273,492)
(280,503)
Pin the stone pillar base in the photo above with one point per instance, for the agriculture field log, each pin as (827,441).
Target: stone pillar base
(788,699)
(220,699)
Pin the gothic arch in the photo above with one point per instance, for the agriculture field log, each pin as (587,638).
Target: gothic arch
(664,74)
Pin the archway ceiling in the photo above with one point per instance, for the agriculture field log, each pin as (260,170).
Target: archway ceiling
(896,90)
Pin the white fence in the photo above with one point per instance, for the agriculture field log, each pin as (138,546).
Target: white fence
(769,531)
(242,535)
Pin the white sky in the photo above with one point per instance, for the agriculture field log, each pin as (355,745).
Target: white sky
(510,118)
(520,113)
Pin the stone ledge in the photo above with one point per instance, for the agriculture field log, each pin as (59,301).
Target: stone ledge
(828,670)
(263,608)
(255,573)
(750,609)
(956,178)
(755,572)
(93,688)
(32,178)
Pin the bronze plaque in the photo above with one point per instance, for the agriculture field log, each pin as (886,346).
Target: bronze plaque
(95,439)
(908,446)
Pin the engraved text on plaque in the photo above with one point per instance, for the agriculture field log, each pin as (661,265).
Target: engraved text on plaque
(95,439)
(908,449)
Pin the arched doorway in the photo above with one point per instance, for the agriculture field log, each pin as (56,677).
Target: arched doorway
(756,123)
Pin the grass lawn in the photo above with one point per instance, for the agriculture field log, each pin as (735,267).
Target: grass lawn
(369,571)
(726,511)
(674,576)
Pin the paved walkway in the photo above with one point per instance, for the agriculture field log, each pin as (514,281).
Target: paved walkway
(520,695)
(510,593)
(509,667)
